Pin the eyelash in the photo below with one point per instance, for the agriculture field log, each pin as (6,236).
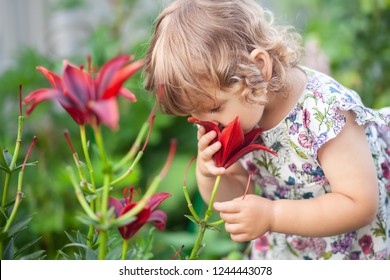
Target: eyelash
(216,109)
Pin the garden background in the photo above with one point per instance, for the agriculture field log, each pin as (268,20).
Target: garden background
(349,39)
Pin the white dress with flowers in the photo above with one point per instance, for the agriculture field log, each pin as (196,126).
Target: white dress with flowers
(297,174)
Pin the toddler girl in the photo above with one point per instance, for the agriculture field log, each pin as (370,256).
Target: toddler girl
(326,195)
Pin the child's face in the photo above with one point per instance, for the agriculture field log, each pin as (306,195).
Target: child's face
(228,107)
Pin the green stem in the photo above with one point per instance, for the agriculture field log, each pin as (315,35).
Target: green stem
(209,210)
(5,189)
(103,235)
(84,181)
(86,155)
(134,148)
(189,204)
(203,223)
(198,242)
(99,142)
(18,199)
(107,174)
(18,143)
(128,172)
(13,162)
(80,197)
(217,223)
(125,247)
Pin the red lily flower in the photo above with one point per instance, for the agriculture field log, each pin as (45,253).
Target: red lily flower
(234,143)
(148,214)
(88,100)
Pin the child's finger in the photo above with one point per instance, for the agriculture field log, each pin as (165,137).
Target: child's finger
(208,152)
(204,141)
(201,131)
(227,206)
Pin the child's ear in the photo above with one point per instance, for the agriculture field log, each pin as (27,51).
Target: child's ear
(263,61)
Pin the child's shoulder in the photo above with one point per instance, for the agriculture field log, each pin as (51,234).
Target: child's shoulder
(327,89)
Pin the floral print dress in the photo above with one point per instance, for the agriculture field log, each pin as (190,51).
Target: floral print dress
(297,174)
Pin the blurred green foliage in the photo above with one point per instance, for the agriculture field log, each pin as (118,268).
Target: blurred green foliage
(354,34)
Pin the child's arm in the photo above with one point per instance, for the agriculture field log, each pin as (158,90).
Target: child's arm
(234,179)
(348,166)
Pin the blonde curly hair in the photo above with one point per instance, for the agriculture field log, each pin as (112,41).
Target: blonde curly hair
(202,47)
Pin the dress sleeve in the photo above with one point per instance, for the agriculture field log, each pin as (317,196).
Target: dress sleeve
(323,118)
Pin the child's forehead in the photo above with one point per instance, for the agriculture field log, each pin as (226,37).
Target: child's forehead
(218,97)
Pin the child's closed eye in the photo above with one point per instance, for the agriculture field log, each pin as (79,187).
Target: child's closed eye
(216,109)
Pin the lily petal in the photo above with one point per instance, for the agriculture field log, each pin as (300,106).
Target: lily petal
(116,204)
(232,139)
(242,152)
(54,79)
(159,219)
(106,112)
(127,94)
(77,85)
(234,143)
(209,126)
(120,77)
(108,71)
(79,116)
(39,96)
(252,136)
(127,231)
(157,199)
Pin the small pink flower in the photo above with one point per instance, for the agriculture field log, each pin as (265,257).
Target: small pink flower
(366,243)
(252,168)
(304,140)
(386,169)
(306,118)
(299,243)
(262,244)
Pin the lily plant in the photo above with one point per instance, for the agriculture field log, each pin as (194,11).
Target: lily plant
(9,229)
(91,99)
(234,145)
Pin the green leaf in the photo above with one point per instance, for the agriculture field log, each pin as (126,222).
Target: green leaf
(7,157)
(25,247)
(34,163)
(9,250)
(63,254)
(192,219)
(70,237)
(4,168)
(298,150)
(3,162)
(327,255)
(331,100)
(34,256)
(213,228)
(86,220)
(19,226)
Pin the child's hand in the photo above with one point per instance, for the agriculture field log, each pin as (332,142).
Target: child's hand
(205,161)
(246,219)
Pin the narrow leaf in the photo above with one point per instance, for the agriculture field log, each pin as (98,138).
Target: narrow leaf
(192,219)
(34,256)
(9,250)
(28,245)
(20,226)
